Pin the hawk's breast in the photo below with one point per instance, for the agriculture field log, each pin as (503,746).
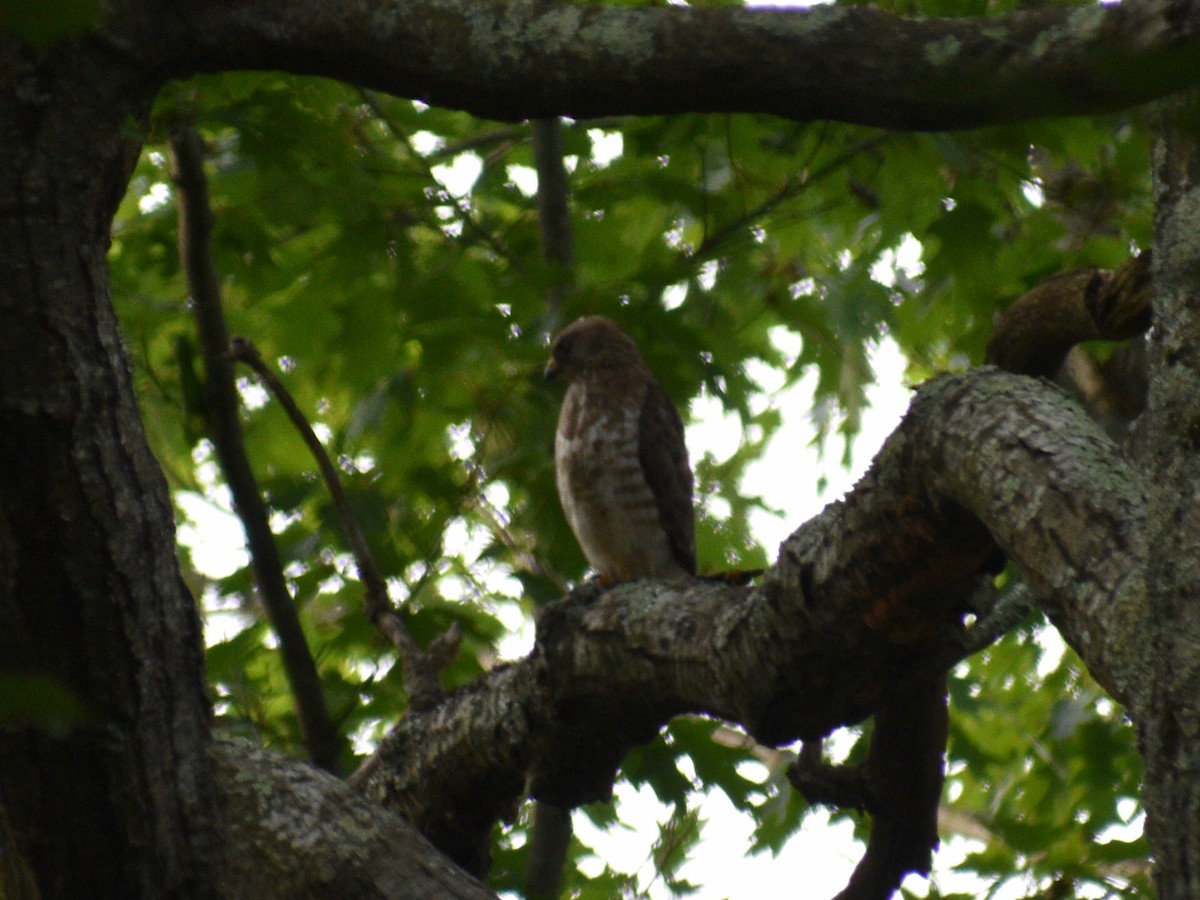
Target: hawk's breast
(605,494)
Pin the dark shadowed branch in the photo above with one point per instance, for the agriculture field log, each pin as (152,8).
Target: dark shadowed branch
(550,835)
(321,736)
(331,842)
(526,60)
(902,778)
(554,215)
(1035,333)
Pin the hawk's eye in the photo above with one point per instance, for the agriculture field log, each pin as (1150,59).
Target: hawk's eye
(563,348)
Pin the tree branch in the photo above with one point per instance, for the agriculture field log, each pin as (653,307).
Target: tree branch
(322,738)
(554,214)
(1061,503)
(1033,335)
(550,834)
(867,595)
(422,668)
(1167,719)
(523,59)
(904,772)
(298,832)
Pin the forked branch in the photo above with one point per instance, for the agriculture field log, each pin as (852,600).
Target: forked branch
(422,667)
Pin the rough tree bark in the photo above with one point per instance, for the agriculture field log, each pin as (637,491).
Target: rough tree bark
(518,59)
(123,802)
(301,833)
(1168,711)
(127,801)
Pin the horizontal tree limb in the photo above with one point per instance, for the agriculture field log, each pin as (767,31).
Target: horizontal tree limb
(519,59)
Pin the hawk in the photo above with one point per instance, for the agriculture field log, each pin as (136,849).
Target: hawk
(620,461)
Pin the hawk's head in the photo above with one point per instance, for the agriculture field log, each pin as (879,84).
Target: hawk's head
(591,344)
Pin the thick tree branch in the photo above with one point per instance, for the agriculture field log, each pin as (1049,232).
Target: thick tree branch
(1168,721)
(1063,505)
(298,832)
(865,597)
(904,772)
(1035,333)
(526,59)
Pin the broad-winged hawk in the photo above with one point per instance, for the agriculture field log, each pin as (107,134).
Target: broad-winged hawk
(620,460)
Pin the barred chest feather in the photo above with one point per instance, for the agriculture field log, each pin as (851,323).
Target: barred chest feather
(605,495)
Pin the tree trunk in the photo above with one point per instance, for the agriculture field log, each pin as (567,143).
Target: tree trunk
(112,795)
(1169,723)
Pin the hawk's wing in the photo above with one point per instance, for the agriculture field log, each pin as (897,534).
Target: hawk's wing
(663,456)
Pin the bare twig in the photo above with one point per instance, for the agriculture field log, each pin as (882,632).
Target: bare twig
(422,667)
(791,188)
(322,739)
(471,227)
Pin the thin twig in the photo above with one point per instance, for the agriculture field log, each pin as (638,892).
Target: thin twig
(793,187)
(422,667)
(471,227)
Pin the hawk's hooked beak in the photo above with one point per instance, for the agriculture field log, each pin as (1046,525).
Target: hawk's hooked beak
(551,369)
